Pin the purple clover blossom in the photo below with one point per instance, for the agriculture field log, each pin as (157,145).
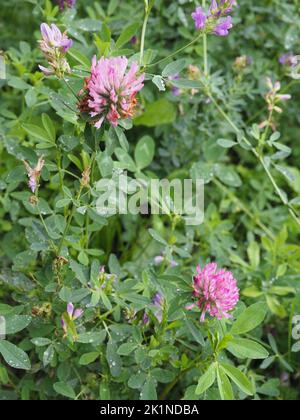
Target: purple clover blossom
(223,27)
(200,18)
(288,60)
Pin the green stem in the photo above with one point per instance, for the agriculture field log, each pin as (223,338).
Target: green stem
(176,52)
(260,157)
(69,221)
(205,58)
(146,18)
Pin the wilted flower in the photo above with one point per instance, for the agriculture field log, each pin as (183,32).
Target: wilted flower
(242,62)
(85,177)
(55,45)
(110,93)
(273,97)
(288,60)
(34,174)
(63,4)
(215,20)
(216,291)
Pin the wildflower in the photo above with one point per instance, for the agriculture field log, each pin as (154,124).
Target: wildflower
(159,259)
(222,28)
(54,46)
(175,90)
(273,97)
(34,174)
(216,20)
(158,303)
(242,62)
(288,60)
(110,93)
(216,291)
(85,177)
(200,18)
(63,4)
(72,315)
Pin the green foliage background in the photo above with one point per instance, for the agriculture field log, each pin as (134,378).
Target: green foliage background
(247,228)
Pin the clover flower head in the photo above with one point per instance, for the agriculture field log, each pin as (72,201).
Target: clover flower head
(110,92)
(54,45)
(216,291)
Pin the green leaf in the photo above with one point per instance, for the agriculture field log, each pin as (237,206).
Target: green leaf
(276,307)
(64,389)
(228,175)
(157,237)
(195,331)
(14,356)
(159,83)
(224,386)
(38,132)
(80,58)
(41,342)
(254,254)
(144,152)
(125,160)
(174,68)
(92,337)
(251,318)
(113,359)
(16,323)
(238,377)
(157,113)
(126,348)
(296,347)
(207,380)
(226,144)
(49,127)
(126,35)
(88,358)
(149,390)
(81,272)
(247,349)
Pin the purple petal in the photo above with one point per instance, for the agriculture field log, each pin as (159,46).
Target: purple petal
(70,309)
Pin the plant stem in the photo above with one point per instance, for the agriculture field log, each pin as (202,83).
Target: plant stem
(205,58)
(146,18)
(176,52)
(257,221)
(260,158)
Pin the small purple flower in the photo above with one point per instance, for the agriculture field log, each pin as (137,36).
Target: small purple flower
(288,60)
(73,314)
(200,18)
(34,174)
(175,90)
(146,319)
(222,28)
(157,300)
(134,40)
(63,4)
(158,260)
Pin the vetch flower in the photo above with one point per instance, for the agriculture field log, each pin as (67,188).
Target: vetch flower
(216,291)
(54,46)
(216,19)
(200,18)
(34,174)
(223,27)
(72,314)
(274,97)
(288,60)
(110,92)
